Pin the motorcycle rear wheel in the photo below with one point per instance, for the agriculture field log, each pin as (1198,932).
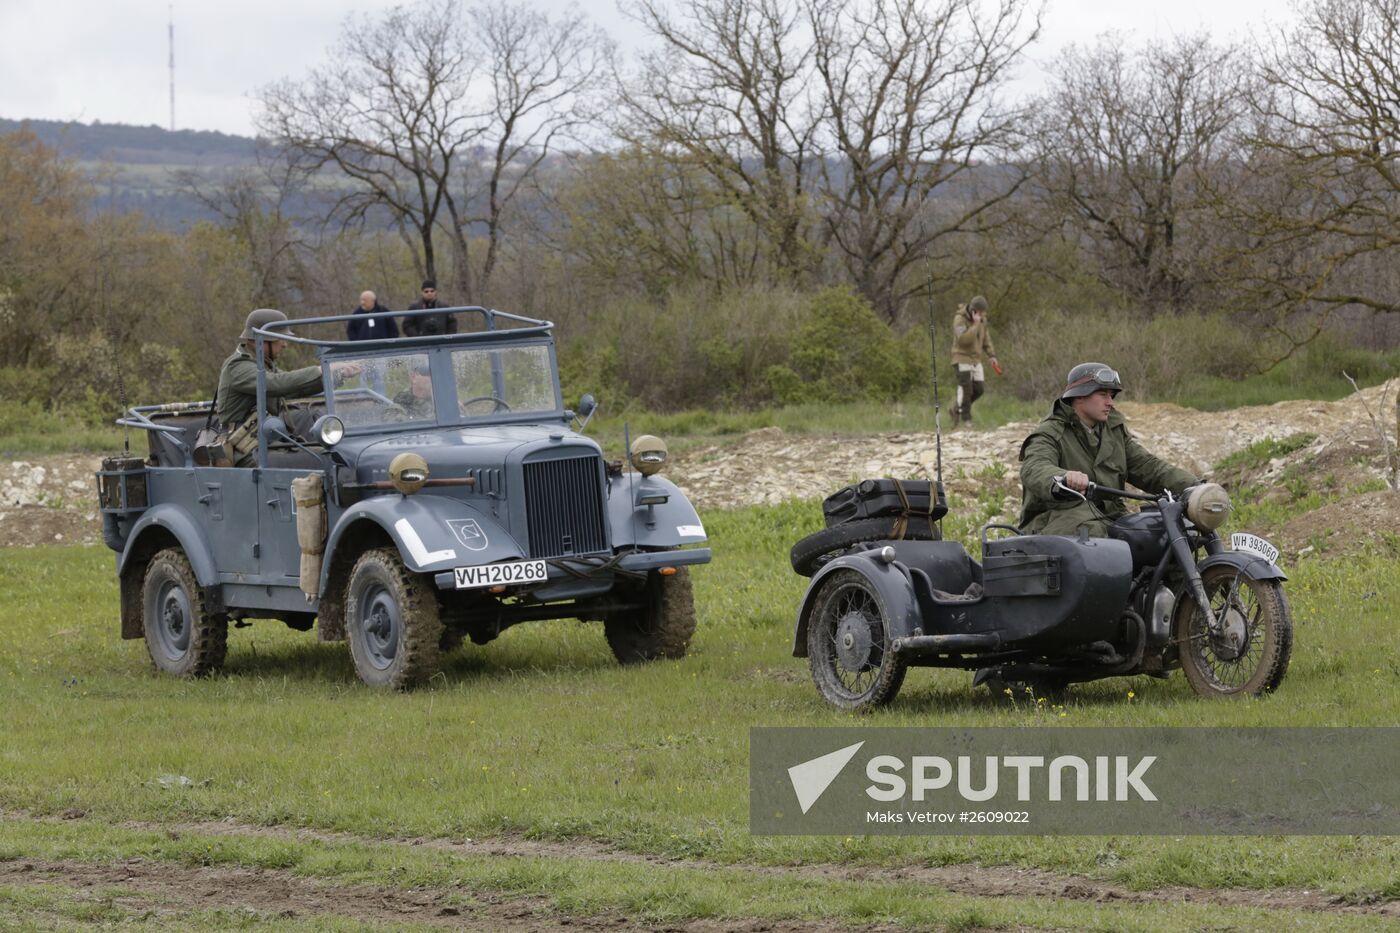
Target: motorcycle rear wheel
(1247,655)
(848,642)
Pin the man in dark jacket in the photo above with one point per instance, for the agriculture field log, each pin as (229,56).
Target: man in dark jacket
(372,320)
(1085,440)
(429,324)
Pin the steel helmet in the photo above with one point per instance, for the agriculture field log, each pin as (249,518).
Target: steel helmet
(1088,378)
(260,318)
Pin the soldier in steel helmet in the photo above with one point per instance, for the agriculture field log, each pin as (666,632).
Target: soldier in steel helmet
(238,385)
(1085,439)
(971,338)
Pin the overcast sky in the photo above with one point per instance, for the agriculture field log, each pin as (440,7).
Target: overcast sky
(89,60)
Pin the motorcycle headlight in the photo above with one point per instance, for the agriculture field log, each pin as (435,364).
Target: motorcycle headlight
(648,454)
(1208,505)
(408,472)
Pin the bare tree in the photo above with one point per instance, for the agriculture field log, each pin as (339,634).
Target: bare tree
(416,101)
(728,94)
(909,111)
(1124,143)
(1328,141)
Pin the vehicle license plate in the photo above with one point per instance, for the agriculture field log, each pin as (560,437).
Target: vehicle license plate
(503,574)
(1243,541)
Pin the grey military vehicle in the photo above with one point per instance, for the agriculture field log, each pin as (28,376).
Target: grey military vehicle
(439,493)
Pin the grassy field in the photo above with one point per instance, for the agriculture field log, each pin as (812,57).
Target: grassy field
(614,791)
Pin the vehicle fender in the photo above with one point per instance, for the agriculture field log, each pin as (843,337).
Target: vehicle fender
(1252,566)
(432,533)
(891,581)
(186,530)
(665,525)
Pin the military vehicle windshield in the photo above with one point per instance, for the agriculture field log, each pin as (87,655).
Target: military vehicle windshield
(388,390)
(515,380)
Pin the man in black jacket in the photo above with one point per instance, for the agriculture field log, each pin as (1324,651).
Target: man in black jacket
(429,324)
(372,321)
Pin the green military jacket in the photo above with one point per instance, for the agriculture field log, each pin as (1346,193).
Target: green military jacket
(1109,456)
(970,339)
(238,386)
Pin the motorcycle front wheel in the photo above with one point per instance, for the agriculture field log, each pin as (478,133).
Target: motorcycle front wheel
(848,644)
(1244,650)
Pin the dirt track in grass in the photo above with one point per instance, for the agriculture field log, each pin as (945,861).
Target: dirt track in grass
(995,881)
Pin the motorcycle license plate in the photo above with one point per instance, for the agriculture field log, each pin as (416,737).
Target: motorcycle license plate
(1253,544)
(506,573)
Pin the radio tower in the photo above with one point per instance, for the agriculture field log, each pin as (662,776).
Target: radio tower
(172,67)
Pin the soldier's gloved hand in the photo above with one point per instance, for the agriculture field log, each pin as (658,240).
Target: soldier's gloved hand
(1077,481)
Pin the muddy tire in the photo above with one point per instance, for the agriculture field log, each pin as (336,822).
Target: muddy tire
(809,554)
(182,636)
(661,628)
(391,622)
(1248,655)
(848,640)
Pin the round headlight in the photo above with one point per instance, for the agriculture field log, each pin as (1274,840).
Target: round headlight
(648,454)
(329,430)
(1208,505)
(408,472)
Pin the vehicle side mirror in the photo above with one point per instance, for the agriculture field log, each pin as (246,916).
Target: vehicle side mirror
(586,407)
(272,429)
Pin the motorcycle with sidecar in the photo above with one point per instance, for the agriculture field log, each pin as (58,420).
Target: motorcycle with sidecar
(1040,612)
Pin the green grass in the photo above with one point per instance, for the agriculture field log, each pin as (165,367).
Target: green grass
(690,429)
(541,735)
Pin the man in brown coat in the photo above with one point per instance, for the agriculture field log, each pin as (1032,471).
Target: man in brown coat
(971,338)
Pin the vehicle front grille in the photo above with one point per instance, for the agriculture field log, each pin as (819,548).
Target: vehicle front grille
(564,506)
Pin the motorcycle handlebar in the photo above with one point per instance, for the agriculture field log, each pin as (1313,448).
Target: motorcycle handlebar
(1094,490)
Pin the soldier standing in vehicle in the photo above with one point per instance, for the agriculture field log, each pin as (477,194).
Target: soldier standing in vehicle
(238,385)
(971,338)
(1086,440)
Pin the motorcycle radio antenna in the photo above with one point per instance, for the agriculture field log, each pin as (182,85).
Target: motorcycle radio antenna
(933,363)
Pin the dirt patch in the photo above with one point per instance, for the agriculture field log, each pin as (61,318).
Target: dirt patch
(973,880)
(769,466)
(144,887)
(52,500)
(1367,523)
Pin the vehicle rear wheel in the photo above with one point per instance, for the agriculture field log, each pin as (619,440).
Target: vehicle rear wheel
(662,627)
(809,554)
(1246,652)
(391,622)
(183,637)
(848,644)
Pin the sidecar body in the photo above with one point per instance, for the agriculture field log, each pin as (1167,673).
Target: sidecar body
(1030,597)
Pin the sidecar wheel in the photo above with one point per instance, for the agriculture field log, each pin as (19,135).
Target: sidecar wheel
(848,638)
(1248,654)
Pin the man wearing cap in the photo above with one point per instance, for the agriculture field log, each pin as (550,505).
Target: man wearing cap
(429,324)
(417,399)
(971,338)
(238,384)
(1085,440)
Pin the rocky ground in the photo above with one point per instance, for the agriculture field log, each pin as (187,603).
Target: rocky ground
(52,500)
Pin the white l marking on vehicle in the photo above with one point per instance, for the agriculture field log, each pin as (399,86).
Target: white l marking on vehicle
(416,548)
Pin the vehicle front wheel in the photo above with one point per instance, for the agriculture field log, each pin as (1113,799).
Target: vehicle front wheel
(661,627)
(1244,651)
(848,644)
(183,637)
(391,622)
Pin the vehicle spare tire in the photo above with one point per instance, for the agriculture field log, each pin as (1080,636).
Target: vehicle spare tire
(811,552)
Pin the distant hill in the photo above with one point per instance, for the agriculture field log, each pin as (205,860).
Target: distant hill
(140,145)
(136,166)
